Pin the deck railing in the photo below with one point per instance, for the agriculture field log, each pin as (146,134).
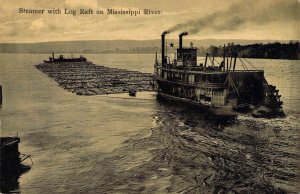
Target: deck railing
(195,84)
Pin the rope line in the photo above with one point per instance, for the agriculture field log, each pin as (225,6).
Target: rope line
(249,63)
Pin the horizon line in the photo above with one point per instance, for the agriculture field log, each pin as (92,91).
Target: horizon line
(53,41)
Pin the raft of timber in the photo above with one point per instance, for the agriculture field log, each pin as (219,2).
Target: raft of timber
(86,78)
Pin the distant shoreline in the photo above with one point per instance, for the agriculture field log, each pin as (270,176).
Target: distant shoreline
(77,53)
(276,50)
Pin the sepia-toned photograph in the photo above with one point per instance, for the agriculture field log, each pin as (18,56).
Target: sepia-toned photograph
(150,96)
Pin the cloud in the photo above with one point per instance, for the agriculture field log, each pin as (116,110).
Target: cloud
(251,19)
(37,24)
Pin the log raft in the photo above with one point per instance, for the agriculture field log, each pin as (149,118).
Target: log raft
(86,78)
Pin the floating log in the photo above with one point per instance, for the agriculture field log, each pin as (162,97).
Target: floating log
(86,78)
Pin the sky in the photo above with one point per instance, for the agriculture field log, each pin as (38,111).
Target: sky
(203,19)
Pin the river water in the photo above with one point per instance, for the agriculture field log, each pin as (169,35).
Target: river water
(119,144)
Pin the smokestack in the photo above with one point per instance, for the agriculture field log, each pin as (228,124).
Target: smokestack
(180,41)
(0,94)
(180,38)
(163,46)
(224,56)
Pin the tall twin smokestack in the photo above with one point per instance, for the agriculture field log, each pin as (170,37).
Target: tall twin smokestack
(180,38)
(180,41)
(163,46)
(163,58)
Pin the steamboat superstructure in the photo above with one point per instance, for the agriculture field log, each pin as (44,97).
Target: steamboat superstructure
(220,89)
(62,59)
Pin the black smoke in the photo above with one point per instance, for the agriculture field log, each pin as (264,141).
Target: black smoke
(244,13)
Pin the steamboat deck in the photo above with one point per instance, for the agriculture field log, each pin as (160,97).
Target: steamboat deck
(221,89)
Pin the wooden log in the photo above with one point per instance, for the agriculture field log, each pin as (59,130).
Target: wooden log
(86,78)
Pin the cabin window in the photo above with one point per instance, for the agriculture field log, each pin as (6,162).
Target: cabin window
(191,78)
(218,98)
(197,78)
(209,78)
(207,98)
(223,78)
(218,93)
(165,75)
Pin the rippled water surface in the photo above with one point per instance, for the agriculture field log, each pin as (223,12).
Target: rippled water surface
(119,144)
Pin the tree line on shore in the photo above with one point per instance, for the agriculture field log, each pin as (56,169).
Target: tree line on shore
(274,50)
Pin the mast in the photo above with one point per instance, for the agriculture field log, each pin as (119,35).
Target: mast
(205,61)
(230,62)
(227,65)
(234,63)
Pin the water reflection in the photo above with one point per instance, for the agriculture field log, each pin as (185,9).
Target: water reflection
(10,178)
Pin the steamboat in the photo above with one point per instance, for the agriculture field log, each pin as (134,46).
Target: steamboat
(220,89)
(61,58)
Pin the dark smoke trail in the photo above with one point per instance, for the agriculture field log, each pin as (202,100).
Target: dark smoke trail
(245,12)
